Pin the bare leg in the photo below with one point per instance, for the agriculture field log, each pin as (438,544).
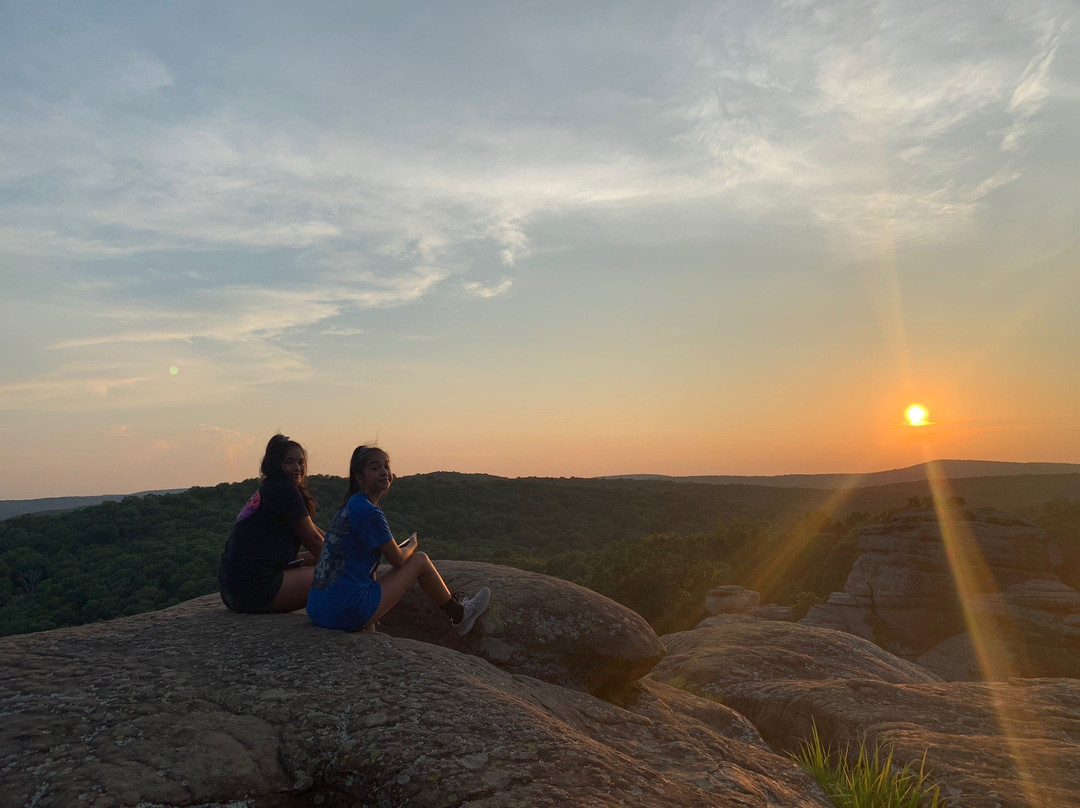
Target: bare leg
(395,583)
(295,584)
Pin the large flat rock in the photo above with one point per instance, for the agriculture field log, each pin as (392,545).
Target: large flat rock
(198,706)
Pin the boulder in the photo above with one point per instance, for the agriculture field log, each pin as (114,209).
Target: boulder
(539,626)
(731,600)
(1002,745)
(730,649)
(195,705)
(901,593)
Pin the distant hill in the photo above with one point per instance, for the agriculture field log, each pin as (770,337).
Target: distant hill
(952,469)
(17,507)
(1019,493)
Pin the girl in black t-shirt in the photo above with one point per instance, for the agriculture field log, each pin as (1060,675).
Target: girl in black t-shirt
(262,568)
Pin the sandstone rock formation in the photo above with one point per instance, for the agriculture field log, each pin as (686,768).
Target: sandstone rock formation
(540,626)
(195,705)
(999,745)
(732,599)
(901,594)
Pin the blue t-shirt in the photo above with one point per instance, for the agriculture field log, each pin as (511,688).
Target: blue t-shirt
(343,595)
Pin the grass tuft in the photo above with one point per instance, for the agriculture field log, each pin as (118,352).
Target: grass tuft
(871,780)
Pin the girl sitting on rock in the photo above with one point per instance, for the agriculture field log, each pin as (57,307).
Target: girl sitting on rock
(262,569)
(345,593)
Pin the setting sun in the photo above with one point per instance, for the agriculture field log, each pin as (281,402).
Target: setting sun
(916,415)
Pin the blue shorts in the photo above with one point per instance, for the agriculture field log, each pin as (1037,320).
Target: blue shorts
(347,608)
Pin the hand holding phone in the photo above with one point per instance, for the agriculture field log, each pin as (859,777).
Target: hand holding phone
(403,544)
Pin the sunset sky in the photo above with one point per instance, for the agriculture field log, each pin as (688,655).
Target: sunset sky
(535,239)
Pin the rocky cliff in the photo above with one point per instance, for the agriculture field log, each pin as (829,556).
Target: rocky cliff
(902,594)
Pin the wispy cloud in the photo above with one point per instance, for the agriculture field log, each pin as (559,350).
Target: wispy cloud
(234,443)
(1033,90)
(246,314)
(87,390)
(126,376)
(865,115)
(50,243)
(338,331)
(479,290)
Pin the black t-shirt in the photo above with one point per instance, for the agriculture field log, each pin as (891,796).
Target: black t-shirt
(263,540)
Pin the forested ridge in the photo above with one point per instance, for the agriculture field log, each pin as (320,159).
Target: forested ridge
(656,546)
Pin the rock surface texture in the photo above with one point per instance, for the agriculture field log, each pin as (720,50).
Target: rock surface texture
(539,626)
(901,593)
(197,706)
(990,745)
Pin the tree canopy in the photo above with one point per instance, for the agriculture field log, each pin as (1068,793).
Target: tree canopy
(656,546)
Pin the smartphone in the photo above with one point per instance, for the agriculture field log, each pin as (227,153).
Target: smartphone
(407,541)
(296,562)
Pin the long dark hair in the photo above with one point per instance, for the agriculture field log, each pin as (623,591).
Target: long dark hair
(273,458)
(359,457)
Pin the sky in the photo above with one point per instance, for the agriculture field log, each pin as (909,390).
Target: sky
(557,239)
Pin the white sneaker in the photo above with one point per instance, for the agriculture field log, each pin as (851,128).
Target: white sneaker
(474,607)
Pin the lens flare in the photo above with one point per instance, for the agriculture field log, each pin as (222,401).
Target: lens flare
(766,574)
(974,580)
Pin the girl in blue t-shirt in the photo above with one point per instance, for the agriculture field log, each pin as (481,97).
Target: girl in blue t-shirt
(345,593)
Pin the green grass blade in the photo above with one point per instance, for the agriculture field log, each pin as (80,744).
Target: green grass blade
(868,779)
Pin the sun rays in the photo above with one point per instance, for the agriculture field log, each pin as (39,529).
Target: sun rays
(973,580)
(768,575)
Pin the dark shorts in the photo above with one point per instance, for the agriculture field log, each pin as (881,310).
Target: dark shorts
(256,596)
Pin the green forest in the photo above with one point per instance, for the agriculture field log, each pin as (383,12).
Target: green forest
(655,546)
